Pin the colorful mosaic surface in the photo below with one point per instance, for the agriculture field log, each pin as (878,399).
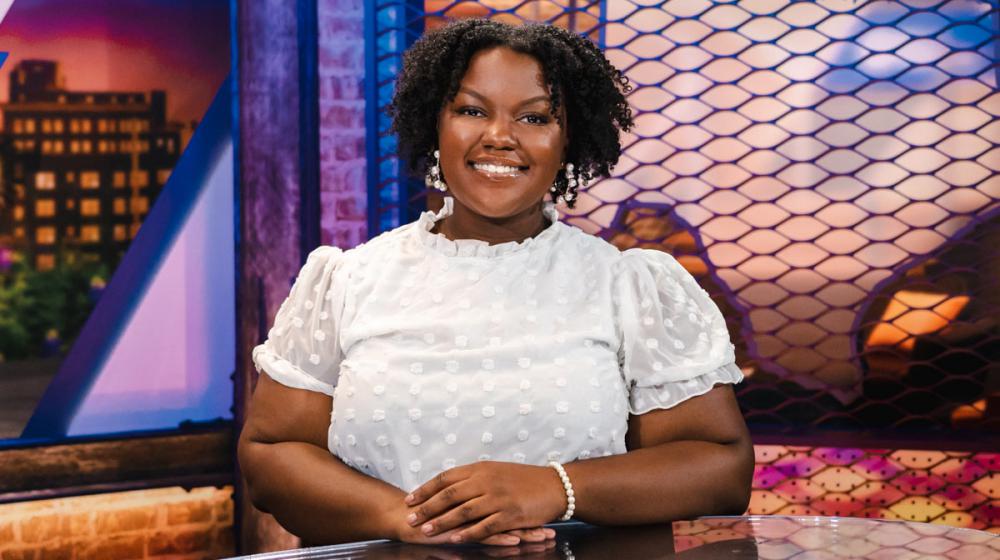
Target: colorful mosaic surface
(952,488)
(827,170)
(811,537)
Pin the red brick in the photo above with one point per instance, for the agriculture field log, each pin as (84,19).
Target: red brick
(40,528)
(193,540)
(118,547)
(116,521)
(224,511)
(18,554)
(6,532)
(63,552)
(189,512)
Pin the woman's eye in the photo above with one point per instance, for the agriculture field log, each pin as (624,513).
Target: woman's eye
(471,111)
(536,119)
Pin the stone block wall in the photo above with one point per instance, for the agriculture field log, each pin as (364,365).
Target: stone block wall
(148,524)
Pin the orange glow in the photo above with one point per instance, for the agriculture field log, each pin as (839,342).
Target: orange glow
(911,314)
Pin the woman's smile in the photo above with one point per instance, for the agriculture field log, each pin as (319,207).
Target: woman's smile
(498,170)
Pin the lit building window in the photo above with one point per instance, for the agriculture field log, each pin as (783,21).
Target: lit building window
(45,235)
(133,230)
(45,208)
(90,207)
(139,178)
(18,126)
(70,176)
(74,126)
(102,125)
(121,233)
(46,146)
(19,232)
(170,145)
(45,262)
(45,180)
(119,206)
(112,125)
(18,213)
(90,234)
(29,144)
(119,179)
(162,175)
(85,126)
(57,146)
(46,125)
(123,146)
(86,147)
(144,146)
(74,146)
(140,205)
(123,125)
(89,99)
(57,125)
(90,179)
(70,231)
(70,204)
(29,125)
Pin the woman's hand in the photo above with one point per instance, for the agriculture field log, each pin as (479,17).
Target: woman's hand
(403,531)
(476,502)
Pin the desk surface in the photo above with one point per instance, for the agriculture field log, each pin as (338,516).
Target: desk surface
(771,537)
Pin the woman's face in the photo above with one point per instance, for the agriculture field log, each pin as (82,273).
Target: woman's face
(500,146)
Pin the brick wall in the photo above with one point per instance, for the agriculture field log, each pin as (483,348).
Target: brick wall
(343,188)
(160,523)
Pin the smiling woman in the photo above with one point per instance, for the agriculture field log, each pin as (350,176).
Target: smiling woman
(488,369)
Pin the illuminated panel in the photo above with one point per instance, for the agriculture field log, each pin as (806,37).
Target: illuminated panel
(171,362)
(952,488)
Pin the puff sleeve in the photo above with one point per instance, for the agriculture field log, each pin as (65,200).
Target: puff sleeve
(302,349)
(674,341)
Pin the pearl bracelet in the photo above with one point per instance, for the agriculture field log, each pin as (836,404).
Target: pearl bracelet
(568,487)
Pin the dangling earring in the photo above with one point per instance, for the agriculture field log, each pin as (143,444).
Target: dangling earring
(433,177)
(571,184)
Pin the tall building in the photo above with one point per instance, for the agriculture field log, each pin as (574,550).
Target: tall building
(79,169)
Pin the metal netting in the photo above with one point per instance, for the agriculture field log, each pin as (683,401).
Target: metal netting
(827,171)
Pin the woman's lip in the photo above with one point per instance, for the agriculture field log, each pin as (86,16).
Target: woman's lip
(497,176)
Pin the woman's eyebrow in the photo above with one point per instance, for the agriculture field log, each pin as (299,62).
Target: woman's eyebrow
(483,98)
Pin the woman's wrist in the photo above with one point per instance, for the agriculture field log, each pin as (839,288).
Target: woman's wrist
(557,495)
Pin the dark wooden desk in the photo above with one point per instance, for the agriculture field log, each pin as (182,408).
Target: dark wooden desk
(771,537)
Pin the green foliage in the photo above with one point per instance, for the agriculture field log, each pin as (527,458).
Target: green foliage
(35,303)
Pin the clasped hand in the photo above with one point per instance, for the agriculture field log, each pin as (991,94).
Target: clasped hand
(488,502)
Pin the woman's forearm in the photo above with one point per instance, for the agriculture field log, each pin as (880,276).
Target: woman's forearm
(316,496)
(665,482)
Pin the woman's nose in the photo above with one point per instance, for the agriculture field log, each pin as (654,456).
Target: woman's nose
(499,134)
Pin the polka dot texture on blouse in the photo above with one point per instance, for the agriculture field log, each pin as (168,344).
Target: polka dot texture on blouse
(440,353)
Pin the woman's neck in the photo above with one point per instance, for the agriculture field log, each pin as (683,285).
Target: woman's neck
(463,223)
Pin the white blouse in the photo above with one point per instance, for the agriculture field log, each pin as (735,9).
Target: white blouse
(440,353)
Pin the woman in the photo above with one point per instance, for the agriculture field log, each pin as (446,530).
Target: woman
(490,369)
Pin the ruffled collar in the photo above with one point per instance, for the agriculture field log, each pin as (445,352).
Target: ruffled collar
(476,247)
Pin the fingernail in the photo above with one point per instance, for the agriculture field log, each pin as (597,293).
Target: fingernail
(427,528)
(412,518)
(456,538)
(409,498)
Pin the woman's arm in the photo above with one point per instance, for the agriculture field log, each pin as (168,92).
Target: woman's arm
(291,474)
(693,459)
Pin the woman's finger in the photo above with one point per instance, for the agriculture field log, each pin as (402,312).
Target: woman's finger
(490,525)
(529,535)
(441,502)
(441,481)
(464,513)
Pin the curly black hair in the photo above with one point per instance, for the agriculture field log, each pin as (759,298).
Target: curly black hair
(574,68)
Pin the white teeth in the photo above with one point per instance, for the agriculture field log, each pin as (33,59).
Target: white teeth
(496,169)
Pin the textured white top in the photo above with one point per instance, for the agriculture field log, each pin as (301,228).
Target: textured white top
(440,353)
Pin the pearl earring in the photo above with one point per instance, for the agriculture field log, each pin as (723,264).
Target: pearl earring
(571,184)
(433,178)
